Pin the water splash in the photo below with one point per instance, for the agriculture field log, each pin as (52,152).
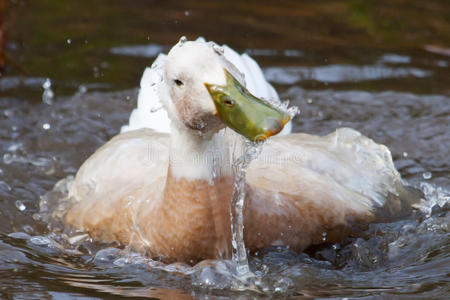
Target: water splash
(436,199)
(244,277)
(292,111)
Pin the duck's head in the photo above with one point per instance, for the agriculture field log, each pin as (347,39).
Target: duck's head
(207,93)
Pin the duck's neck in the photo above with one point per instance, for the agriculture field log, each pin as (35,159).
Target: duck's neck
(194,211)
(197,157)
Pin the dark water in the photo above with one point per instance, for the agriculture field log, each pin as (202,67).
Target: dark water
(380,68)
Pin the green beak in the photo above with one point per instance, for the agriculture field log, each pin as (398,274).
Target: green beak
(244,113)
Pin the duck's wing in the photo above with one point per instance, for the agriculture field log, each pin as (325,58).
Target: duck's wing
(343,174)
(150,113)
(129,169)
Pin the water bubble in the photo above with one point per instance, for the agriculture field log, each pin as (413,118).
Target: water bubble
(69,41)
(309,100)
(405,154)
(46,126)
(20,206)
(182,40)
(427,175)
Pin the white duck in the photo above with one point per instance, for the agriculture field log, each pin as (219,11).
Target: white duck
(168,195)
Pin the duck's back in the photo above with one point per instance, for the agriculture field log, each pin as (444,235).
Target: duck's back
(310,185)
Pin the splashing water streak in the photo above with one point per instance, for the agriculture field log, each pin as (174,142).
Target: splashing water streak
(244,277)
(48,94)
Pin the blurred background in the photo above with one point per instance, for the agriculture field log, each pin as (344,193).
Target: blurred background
(69,77)
(75,42)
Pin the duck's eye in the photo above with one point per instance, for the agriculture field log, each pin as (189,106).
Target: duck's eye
(228,102)
(178,82)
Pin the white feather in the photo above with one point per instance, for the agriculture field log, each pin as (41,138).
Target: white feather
(150,113)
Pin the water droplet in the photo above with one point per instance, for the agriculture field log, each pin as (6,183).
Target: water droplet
(69,41)
(82,89)
(47,83)
(96,71)
(219,50)
(186,13)
(20,206)
(182,40)
(309,100)
(405,154)
(293,111)
(47,95)
(324,236)
(7,158)
(46,126)
(427,175)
